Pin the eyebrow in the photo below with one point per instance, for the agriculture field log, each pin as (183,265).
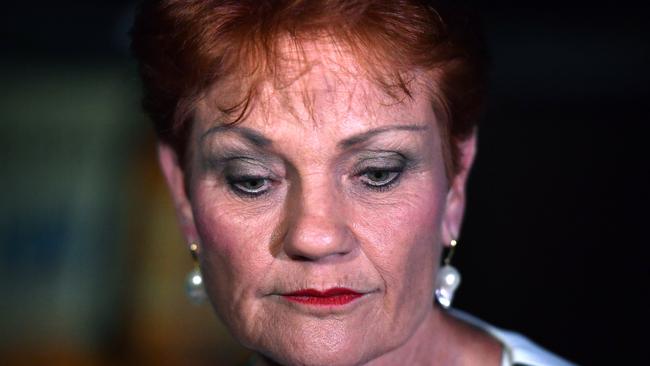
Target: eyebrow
(260,140)
(367,135)
(249,134)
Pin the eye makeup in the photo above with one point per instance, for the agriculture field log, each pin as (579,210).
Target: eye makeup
(251,173)
(381,170)
(246,172)
(248,178)
(380,159)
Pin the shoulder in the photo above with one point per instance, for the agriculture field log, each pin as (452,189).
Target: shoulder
(518,350)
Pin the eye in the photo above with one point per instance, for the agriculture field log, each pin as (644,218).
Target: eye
(381,179)
(249,185)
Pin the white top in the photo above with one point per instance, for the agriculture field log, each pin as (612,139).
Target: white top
(517,349)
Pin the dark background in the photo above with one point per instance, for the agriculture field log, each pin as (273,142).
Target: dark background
(555,242)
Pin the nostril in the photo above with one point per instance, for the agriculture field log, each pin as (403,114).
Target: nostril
(316,230)
(314,238)
(300,258)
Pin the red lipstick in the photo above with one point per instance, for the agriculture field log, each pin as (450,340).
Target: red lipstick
(333,296)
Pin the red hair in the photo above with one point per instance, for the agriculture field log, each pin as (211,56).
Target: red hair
(186,47)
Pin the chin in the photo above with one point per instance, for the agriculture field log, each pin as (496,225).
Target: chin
(320,357)
(321,347)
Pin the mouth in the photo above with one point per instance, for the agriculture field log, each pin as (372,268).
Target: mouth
(331,297)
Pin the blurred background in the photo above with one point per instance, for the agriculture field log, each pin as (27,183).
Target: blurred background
(555,243)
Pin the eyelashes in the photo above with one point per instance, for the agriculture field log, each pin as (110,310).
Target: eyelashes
(381,179)
(374,173)
(377,179)
(249,186)
(381,173)
(373,179)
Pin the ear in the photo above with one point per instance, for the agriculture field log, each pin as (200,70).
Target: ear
(175,177)
(455,206)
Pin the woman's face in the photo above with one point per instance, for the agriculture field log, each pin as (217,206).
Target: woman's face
(327,184)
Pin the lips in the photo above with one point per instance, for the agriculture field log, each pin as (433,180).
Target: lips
(331,297)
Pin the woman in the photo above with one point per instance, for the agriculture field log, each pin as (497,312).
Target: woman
(317,154)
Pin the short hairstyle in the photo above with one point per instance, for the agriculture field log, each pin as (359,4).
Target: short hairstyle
(186,47)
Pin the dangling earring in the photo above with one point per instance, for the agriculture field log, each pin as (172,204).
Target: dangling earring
(447,280)
(194,280)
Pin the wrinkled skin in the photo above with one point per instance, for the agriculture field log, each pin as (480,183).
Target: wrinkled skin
(327,182)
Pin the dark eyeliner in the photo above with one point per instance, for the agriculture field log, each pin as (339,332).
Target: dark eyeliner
(236,171)
(390,162)
(386,186)
(233,182)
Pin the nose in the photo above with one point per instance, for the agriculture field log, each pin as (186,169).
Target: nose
(317,228)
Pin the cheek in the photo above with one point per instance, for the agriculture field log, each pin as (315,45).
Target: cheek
(224,238)
(235,253)
(230,234)
(402,240)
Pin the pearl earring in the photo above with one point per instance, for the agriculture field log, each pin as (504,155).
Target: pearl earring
(447,280)
(194,280)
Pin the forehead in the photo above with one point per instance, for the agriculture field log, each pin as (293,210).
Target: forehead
(318,85)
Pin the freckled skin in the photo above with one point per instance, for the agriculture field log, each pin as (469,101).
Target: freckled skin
(318,226)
